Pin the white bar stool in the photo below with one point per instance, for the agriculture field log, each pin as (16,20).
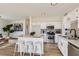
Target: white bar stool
(16,48)
(29,47)
(38,48)
(19,47)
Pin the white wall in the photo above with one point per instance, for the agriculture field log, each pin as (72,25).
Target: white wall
(46,19)
(36,23)
(68,19)
(42,22)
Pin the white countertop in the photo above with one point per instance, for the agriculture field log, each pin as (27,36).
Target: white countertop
(35,36)
(74,42)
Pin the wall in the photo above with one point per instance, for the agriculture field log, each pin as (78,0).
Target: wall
(38,23)
(70,18)
(46,19)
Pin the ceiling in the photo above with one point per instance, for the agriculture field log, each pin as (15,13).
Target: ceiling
(23,10)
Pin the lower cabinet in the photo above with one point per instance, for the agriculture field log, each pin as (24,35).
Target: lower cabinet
(56,38)
(63,45)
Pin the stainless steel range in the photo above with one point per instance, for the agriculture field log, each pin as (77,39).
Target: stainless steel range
(51,33)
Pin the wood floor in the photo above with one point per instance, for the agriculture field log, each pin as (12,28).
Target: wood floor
(49,50)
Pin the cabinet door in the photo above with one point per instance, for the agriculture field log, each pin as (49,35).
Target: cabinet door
(59,42)
(61,46)
(65,47)
(36,28)
(56,38)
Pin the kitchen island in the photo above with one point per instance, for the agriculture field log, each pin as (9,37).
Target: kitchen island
(35,44)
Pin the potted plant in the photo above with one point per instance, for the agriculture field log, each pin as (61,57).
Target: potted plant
(9,29)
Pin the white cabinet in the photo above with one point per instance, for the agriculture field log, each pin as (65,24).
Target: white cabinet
(56,38)
(63,45)
(36,28)
(43,26)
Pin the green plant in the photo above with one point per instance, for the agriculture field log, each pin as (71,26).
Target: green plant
(8,29)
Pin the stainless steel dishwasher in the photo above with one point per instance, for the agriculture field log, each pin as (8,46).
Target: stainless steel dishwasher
(73,50)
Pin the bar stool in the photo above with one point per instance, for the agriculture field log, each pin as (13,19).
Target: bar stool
(29,47)
(38,48)
(19,47)
(16,48)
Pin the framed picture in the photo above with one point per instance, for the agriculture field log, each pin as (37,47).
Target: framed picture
(18,27)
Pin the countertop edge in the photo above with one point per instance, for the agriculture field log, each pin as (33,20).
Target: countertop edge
(73,45)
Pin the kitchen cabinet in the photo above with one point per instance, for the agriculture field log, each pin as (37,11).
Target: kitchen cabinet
(56,38)
(43,26)
(63,45)
(36,28)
